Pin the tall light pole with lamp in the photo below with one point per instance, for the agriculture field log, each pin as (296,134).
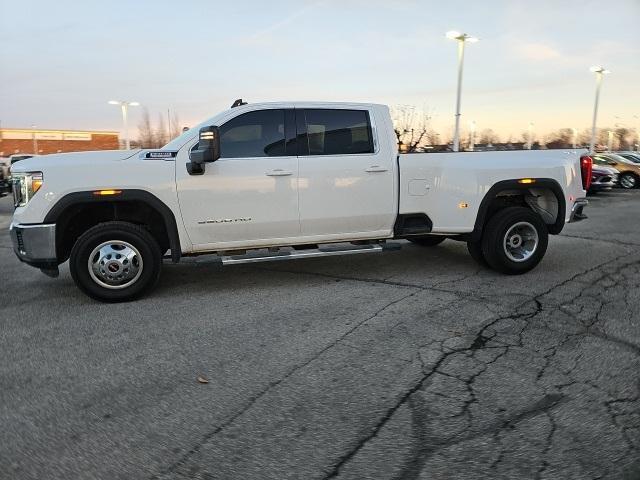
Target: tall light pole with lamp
(124,106)
(472,136)
(609,141)
(462,39)
(575,138)
(35,140)
(530,135)
(600,72)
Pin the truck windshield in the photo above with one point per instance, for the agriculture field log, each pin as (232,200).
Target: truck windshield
(178,142)
(181,139)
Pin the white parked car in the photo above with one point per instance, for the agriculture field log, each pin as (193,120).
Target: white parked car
(280,181)
(20,156)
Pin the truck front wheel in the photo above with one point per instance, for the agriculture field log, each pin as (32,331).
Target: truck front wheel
(514,240)
(115,262)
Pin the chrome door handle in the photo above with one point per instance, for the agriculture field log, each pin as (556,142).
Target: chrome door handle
(376,168)
(278,173)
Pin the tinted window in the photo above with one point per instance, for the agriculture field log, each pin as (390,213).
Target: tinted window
(253,134)
(335,132)
(632,158)
(600,160)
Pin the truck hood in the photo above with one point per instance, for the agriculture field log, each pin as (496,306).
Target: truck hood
(62,160)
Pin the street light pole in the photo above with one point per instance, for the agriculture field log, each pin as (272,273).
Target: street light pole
(600,72)
(35,140)
(124,107)
(462,39)
(610,141)
(575,138)
(529,135)
(472,136)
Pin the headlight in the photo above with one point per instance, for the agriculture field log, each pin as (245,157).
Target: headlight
(25,186)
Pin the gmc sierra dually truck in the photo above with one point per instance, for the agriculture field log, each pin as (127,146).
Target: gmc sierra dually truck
(277,181)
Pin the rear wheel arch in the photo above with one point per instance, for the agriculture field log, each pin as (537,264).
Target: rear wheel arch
(76,212)
(543,190)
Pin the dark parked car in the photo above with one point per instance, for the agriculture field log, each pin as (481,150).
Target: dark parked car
(603,178)
(629,172)
(5,187)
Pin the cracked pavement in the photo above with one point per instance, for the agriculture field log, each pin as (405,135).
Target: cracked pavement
(413,364)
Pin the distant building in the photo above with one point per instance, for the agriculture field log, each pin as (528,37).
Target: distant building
(15,140)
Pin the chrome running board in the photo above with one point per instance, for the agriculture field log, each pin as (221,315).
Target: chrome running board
(292,255)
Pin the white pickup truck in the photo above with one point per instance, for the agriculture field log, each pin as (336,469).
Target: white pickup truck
(278,181)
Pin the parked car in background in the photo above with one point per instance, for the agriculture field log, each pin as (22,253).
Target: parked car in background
(633,156)
(603,178)
(629,172)
(20,156)
(5,163)
(5,187)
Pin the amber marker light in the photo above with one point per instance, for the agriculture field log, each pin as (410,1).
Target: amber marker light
(527,180)
(102,193)
(36,182)
(463,205)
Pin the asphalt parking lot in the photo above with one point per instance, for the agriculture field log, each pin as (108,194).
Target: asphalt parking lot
(414,364)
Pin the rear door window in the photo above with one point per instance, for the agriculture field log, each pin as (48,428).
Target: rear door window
(336,132)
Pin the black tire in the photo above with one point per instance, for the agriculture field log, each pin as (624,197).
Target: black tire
(428,240)
(134,235)
(495,250)
(628,181)
(475,250)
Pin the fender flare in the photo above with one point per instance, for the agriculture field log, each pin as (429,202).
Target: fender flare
(513,184)
(88,197)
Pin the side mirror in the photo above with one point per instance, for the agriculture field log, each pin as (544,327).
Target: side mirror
(208,150)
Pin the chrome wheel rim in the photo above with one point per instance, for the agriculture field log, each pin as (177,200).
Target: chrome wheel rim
(628,181)
(520,242)
(115,264)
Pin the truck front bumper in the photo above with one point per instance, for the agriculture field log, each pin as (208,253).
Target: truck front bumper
(576,210)
(36,245)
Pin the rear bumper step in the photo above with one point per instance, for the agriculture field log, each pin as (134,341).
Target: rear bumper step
(576,210)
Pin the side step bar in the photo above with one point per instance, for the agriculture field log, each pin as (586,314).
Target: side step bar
(291,255)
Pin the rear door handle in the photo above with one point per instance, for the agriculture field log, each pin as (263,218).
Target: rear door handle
(278,172)
(376,168)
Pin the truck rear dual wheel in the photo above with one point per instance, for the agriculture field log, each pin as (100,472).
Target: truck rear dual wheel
(514,241)
(115,262)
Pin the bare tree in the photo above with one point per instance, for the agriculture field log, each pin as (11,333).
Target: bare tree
(623,138)
(488,136)
(175,129)
(562,138)
(411,127)
(160,133)
(145,130)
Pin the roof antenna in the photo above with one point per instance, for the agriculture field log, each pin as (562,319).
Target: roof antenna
(238,103)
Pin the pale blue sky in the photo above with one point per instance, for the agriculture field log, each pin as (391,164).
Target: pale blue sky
(62,61)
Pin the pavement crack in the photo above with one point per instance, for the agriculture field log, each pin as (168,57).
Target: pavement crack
(480,340)
(255,398)
(426,447)
(610,241)
(612,338)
